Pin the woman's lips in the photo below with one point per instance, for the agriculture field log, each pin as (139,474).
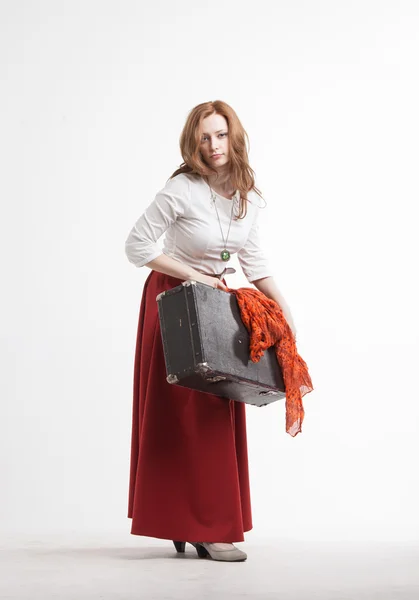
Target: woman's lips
(216,155)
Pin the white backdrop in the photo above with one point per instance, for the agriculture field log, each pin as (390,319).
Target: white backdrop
(93,99)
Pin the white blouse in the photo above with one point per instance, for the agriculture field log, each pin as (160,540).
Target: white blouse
(184,210)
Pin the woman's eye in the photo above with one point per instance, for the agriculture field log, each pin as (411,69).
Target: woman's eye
(205,138)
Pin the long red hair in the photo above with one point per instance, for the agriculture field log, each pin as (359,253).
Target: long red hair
(241,173)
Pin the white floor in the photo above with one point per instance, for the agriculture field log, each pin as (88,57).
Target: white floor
(125,567)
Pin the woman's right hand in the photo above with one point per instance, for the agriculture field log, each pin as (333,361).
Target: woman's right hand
(212,281)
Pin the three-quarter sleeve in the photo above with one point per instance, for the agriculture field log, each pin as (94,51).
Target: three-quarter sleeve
(170,203)
(252,257)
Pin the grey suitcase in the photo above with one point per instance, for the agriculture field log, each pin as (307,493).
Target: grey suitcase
(206,346)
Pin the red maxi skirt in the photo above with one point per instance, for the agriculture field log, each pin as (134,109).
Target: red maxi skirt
(189,477)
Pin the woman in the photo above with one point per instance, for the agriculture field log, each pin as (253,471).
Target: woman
(189,467)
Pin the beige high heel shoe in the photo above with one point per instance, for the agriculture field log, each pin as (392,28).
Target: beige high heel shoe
(232,554)
(205,549)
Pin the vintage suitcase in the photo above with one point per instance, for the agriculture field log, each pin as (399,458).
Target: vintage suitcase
(206,346)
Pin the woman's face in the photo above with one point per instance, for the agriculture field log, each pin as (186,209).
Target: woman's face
(214,141)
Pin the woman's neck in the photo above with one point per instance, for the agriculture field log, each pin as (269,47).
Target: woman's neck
(221,184)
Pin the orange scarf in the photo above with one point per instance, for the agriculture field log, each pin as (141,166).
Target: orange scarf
(267,326)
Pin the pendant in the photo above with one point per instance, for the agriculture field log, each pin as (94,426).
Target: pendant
(225,255)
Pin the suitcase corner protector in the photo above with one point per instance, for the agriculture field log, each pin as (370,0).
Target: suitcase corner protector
(269,393)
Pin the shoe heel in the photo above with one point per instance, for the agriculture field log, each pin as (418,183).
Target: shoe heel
(202,552)
(180,546)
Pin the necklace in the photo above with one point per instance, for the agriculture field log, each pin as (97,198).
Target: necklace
(225,254)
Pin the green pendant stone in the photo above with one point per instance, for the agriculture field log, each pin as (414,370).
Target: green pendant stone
(225,255)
